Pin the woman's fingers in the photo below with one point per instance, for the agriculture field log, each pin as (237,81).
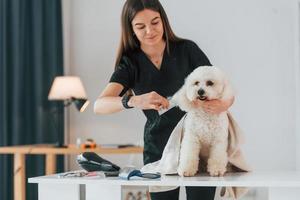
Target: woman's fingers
(211,102)
(154,106)
(153,100)
(160,100)
(157,106)
(213,106)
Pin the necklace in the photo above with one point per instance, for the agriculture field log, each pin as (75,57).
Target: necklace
(157,59)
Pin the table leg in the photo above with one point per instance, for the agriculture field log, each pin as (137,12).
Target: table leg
(102,191)
(284,193)
(50,164)
(54,191)
(19,177)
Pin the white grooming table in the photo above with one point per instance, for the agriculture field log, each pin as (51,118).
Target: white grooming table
(281,185)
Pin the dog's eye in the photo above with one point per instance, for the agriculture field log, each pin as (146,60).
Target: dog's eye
(209,83)
(196,83)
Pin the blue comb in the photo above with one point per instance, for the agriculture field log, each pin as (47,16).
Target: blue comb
(127,172)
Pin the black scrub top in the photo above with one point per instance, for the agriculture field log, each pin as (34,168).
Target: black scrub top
(137,72)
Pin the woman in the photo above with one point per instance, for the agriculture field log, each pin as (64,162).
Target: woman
(152,63)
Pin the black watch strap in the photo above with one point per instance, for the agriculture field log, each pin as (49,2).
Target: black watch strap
(125,100)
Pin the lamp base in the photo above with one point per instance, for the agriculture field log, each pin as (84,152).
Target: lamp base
(60,145)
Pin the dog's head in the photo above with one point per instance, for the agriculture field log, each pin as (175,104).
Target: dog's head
(204,83)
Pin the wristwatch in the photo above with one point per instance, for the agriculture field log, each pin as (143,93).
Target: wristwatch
(125,100)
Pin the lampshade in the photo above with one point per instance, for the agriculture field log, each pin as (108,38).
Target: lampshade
(67,87)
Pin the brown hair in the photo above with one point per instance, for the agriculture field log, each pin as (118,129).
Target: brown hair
(129,41)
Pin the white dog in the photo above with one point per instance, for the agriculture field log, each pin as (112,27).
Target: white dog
(205,135)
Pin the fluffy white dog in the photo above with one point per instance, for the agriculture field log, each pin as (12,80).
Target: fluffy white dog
(205,135)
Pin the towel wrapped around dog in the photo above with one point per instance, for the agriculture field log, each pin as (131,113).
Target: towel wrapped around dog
(168,164)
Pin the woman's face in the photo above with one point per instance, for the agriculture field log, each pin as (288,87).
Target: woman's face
(148,28)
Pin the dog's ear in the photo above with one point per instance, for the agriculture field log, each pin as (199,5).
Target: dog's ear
(180,99)
(228,91)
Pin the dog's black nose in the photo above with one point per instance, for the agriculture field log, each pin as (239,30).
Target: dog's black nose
(201,92)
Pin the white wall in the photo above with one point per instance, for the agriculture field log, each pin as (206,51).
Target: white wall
(255,42)
(297,75)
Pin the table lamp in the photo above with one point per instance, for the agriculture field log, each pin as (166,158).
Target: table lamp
(69,89)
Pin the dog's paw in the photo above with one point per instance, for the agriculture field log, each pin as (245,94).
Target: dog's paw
(216,167)
(187,170)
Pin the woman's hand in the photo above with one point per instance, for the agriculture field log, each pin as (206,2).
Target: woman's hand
(216,106)
(151,100)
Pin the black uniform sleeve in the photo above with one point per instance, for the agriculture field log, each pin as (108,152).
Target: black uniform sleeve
(196,56)
(123,74)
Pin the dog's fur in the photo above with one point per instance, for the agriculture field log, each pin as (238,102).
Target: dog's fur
(205,135)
